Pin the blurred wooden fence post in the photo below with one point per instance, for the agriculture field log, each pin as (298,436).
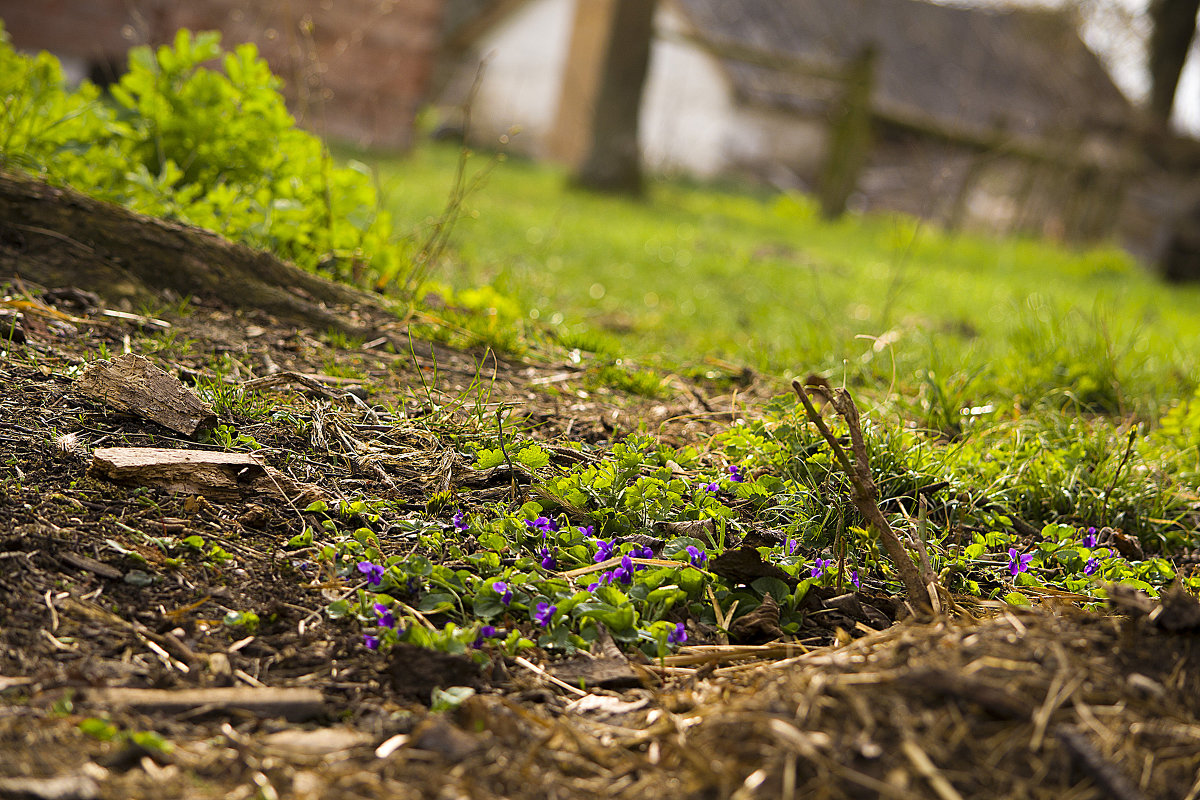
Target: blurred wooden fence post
(849,135)
(597,125)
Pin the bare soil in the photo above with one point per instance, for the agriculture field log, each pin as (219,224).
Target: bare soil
(1045,702)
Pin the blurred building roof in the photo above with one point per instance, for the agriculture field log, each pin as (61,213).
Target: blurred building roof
(970,70)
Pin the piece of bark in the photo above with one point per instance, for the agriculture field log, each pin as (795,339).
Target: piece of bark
(212,474)
(132,384)
(592,673)
(66,787)
(295,705)
(696,528)
(319,742)
(91,565)
(759,626)
(437,735)
(744,565)
(1128,546)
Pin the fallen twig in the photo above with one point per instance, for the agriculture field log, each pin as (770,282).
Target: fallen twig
(865,494)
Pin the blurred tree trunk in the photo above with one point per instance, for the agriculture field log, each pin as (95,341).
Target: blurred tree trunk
(613,162)
(1174,28)
(1174,24)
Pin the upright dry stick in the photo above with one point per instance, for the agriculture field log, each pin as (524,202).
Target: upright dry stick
(864,493)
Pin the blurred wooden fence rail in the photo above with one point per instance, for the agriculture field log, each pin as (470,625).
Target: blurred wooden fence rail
(1075,184)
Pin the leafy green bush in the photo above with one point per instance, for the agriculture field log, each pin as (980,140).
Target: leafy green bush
(212,147)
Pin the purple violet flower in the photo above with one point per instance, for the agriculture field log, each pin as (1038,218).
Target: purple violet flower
(386,619)
(374,572)
(792,546)
(1092,565)
(605,579)
(486,632)
(677,636)
(1089,538)
(587,530)
(459,521)
(819,567)
(854,579)
(543,524)
(735,474)
(1018,562)
(543,614)
(711,487)
(372,642)
(696,555)
(622,576)
(604,551)
(501,588)
(547,558)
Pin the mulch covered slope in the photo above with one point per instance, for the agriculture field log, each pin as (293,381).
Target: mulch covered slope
(1047,702)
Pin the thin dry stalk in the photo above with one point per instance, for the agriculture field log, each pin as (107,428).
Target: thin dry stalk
(865,494)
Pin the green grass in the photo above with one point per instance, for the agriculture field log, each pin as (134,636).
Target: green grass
(945,321)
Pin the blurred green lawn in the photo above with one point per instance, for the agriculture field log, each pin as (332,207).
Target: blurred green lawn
(756,277)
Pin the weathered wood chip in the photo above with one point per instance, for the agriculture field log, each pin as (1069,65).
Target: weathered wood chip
(744,565)
(589,673)
(132,384)
(67,787)
(760,625)
(212,474)
(438,735)
(83,562)
(319,742)
(295,704)
(605,706)
(215,475)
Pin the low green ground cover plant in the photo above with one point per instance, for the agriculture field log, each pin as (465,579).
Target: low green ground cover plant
(626,542)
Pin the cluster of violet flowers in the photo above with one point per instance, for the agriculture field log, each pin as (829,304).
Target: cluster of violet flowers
(735,476)
(1092,566)
(546,555)
(543,524)
(1019,562)
(605,550)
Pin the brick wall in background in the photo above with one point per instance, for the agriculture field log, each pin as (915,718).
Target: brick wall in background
(354,70)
